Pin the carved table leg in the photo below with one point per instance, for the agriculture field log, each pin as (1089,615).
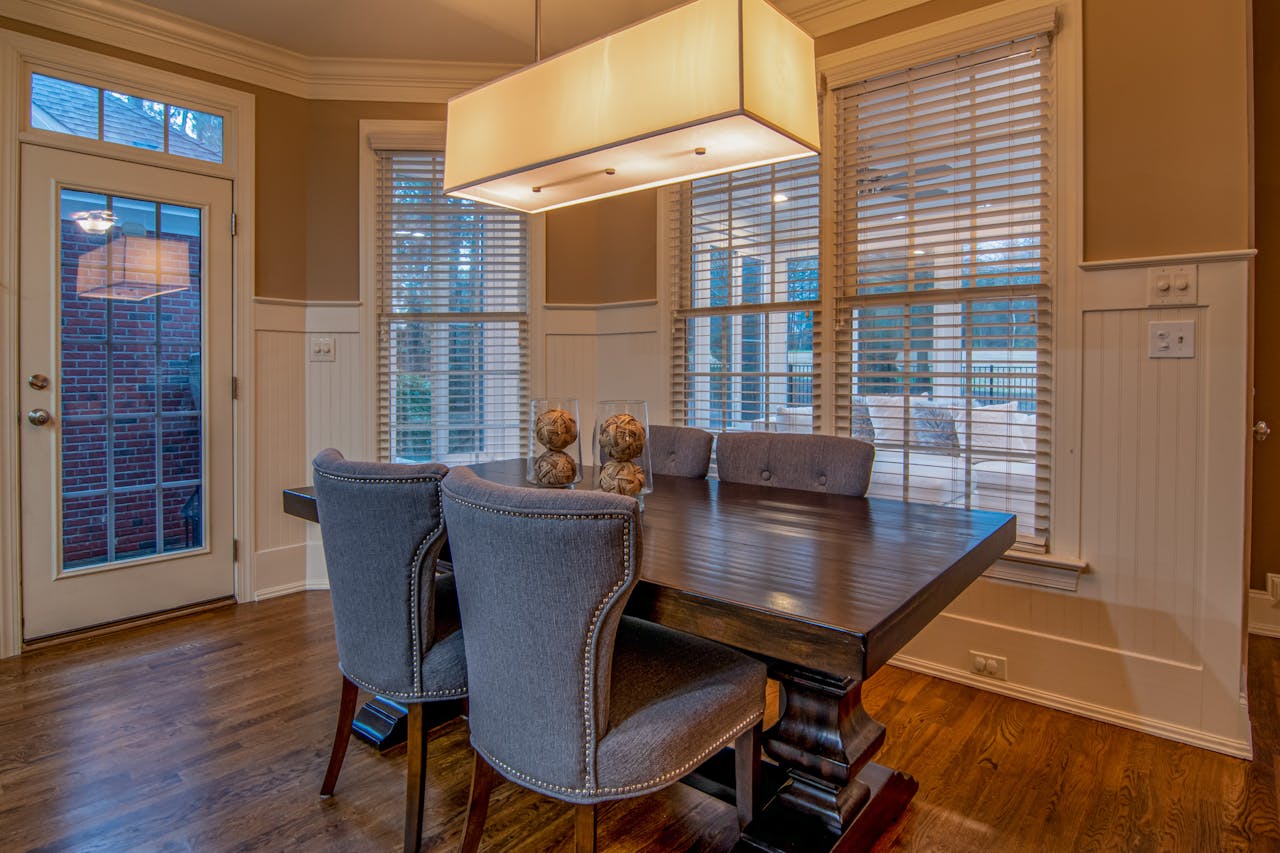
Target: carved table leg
(836,799)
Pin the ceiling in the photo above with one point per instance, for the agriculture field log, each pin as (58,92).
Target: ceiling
(438,30)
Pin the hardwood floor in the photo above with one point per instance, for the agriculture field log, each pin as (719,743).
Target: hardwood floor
(212,732)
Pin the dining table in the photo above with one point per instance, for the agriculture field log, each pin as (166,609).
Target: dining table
(826,589)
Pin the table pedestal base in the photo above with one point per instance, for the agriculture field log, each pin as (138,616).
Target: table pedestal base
(780,829)
(835,798)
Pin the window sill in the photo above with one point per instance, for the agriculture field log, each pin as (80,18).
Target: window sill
(1042,570)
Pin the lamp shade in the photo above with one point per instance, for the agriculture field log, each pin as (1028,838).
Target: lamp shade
(134,268)
(708,87)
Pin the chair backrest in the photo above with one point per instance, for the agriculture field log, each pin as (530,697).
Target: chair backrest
(680,451)
(542,577)
(383,528)
(814,463)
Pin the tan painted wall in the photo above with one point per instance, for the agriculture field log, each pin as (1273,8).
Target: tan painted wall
(1266,361)
(1166,133)
(1166,127)
(603,251)
(333,190)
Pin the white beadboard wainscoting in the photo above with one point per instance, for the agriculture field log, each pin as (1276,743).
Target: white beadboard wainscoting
(1152,637)
(302,407)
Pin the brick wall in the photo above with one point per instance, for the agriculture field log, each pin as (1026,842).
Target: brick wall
(130,415)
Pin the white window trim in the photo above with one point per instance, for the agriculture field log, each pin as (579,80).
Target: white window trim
(19,54)
(949,37)
(414,135)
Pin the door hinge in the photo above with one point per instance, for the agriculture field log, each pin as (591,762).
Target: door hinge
(235,550)
(233,225)
(235,387)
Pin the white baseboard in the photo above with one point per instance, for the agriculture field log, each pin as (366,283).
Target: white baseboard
(1264,614)
(277,591)
(1182,734)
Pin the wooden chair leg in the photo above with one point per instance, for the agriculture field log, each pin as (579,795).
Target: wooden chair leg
(346,713)
(415,794)
(584,828)
(478,804)
(746,762)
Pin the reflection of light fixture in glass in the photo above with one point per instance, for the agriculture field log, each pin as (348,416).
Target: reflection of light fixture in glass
(779,198)
(707,87)
(95,221)
(134,269)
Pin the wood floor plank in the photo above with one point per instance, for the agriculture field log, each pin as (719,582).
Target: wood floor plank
(211,732)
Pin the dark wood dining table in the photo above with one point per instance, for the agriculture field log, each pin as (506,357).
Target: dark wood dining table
(826,589)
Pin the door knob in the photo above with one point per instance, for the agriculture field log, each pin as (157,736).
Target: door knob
(1261,430)
(39,417)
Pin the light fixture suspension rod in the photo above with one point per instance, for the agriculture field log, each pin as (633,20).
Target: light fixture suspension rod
(537,30)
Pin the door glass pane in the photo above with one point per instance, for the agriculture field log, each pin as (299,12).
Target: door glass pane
(131,378)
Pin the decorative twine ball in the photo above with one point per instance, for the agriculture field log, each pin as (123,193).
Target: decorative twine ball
(622,478)
(554,468)
(555,429)
(621,437)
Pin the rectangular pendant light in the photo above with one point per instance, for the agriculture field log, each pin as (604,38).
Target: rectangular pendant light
(134,268)
(708,87)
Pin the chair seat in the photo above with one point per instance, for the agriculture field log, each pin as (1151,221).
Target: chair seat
(677,700)
(444,666)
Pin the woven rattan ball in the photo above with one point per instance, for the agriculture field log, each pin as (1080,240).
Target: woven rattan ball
(622,478)
(554,468)
(621,438)
(555,429)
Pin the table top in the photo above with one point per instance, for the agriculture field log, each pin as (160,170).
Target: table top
(833,583)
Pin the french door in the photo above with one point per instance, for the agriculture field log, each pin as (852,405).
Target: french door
(125,351)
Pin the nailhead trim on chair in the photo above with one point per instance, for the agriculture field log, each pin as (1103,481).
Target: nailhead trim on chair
(415,653)
(639,787)
(589,744)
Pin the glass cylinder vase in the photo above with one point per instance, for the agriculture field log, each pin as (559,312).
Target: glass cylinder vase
(621,447)
(555,449)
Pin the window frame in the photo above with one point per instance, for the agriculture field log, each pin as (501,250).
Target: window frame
(949,37)
(424,136)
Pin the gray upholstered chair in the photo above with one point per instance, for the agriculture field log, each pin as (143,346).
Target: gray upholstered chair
(396,624)
(680,451)
(568,697)
(813,463)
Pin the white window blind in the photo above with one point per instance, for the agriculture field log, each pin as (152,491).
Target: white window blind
(943,279)
(746,316)
(453,318)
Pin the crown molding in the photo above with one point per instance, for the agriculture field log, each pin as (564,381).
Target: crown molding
(821,17)
(163,35)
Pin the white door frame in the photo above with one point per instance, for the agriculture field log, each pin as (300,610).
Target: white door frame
(18,53)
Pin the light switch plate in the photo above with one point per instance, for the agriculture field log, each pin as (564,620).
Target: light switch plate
(322,348)
(1172,339)
(1173,285)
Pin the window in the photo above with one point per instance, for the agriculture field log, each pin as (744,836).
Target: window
(746,245)
(62,106)
(938,306)
(452,283)
(943,279)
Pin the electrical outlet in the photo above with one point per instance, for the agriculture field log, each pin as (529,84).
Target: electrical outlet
(992,666)
(1273,586)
